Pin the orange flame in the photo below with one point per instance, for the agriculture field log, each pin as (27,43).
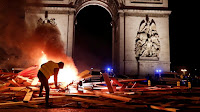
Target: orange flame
(65,75)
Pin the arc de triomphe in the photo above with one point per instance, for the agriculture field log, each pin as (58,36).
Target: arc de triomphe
(140,31)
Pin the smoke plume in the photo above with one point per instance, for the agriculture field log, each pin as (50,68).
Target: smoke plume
(21,44)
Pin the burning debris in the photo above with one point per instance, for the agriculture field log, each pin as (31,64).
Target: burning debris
(22,89)
(24,44)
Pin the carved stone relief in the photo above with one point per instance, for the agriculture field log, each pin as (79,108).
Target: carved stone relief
(50,21)
(147,39)
(46,20)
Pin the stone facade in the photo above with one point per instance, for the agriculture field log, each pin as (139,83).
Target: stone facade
(136,51)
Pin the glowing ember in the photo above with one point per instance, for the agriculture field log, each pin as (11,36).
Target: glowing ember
(65,75)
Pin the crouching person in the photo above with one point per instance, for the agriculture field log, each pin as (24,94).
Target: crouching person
(48,69)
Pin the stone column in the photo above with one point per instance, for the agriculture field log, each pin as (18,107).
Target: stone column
(121,42)
(70,32)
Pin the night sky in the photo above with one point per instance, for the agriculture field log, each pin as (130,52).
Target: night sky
(93,42)
(184,37)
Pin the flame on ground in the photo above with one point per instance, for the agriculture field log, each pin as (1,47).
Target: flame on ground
(65,75)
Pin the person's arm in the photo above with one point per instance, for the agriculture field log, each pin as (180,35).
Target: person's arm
(56,70)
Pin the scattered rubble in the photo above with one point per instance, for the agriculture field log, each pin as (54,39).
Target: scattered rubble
(22,90)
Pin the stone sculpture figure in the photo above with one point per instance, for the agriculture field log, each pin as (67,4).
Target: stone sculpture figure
(46,20)
(147,39)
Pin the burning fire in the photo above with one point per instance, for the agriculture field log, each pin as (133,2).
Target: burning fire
(65,75)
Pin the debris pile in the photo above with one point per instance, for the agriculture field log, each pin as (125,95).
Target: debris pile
(22,90)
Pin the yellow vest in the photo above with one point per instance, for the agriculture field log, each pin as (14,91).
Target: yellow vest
(48,68)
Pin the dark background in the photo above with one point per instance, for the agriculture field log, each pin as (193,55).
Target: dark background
(93,39)
(184,36)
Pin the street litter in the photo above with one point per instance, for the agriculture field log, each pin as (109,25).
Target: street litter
(21,89)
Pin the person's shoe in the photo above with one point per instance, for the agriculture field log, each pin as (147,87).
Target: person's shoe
(48,105)
(40,95)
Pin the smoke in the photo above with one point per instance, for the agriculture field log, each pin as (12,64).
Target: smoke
(48,39)
(21,44)
(12,27)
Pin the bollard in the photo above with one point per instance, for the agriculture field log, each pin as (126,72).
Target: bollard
(178,83)
(149,82)
(189,85)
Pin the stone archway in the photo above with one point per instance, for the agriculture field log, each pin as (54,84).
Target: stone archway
(110,5)
(127,16)
(93,38)
(112,12)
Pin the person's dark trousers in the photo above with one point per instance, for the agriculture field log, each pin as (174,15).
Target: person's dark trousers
(44,82)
